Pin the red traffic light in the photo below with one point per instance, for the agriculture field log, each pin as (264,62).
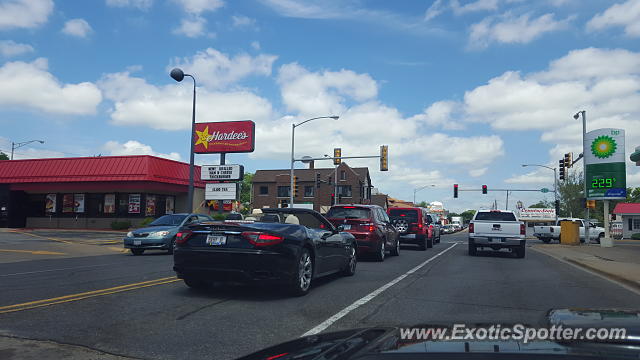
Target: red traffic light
(455,190)
(484,189)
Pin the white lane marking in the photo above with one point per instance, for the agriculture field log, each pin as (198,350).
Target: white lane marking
(42,271)
(325,324)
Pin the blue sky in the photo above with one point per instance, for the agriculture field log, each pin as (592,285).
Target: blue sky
(461,91)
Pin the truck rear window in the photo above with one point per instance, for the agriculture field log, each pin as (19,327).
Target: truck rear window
(348,213)
(496,216)
(408,214)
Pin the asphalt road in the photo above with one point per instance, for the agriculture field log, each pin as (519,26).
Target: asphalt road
(132,306)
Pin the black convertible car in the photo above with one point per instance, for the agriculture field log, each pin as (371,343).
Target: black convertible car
(289,246)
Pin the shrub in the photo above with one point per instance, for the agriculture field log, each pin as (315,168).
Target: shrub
(636,236)
(120,225)
(146,221)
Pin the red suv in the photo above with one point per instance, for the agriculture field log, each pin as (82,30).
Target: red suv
(371,227)
(413,226)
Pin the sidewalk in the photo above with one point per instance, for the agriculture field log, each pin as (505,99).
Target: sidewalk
(26,349)
(620,263)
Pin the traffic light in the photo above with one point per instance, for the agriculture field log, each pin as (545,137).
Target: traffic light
(337,154)
(561,167)
(295,186)
(484,189)
(568,160)
(557,207)
(318,181)
(384,158)
(333,199)
(591,204)
(455,190)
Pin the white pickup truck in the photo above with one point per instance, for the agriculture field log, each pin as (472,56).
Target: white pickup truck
(497,229)
(546,233)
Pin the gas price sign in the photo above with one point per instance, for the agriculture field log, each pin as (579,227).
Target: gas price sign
(605,164)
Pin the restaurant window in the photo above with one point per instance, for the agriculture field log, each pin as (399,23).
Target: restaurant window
(73,203)
(36,204)
(264,190)
(283,191)
(95,204)
(123,204)
(109,204)
(343,175)
(134,204)
(636,224)
(308,191)
(344,190)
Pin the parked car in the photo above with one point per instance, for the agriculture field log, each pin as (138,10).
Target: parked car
(371,227)
(413,226)
(497,229)
(286,246)
(547,233)
(160,234)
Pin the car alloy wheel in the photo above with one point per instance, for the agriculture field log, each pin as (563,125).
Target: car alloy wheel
(305,271)
(353,262)
(381,254)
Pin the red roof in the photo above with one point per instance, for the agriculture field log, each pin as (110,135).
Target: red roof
(627,208)
(102,168)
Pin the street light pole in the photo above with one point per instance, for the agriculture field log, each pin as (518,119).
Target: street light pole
(15,145)
(293,131)
(178,75)
(587,223)
(555,183)
(418,189)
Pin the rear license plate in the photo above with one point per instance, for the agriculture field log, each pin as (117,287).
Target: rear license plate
(137,242)
(216,239)
(346,227)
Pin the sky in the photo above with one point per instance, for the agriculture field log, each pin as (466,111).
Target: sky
(461,91)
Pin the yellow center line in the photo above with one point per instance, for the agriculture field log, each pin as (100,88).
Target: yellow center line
(34,252)
(85,295)
(42,237)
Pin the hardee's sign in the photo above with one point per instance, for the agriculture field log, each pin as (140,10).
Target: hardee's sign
(225,137)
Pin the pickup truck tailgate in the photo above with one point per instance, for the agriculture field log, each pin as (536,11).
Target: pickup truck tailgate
(494,229)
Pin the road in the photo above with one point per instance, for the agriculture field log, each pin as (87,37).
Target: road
(133,306)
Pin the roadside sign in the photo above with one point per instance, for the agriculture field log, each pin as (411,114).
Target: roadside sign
(220,191)
(604,161)
(544,190)
(221,172)
(224,137)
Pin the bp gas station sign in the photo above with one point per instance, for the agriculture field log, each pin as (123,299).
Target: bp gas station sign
(605,164)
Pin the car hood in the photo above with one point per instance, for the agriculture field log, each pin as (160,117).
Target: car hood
(376,342)
(150,229)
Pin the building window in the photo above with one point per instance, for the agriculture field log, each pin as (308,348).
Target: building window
(264,190)
(636,224)
(343,175)
(283,191)
(344,190)
(308,191)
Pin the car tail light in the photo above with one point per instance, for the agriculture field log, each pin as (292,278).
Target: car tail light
(183,236)
(419,225)
(261,239)
(523,229)
(470,227)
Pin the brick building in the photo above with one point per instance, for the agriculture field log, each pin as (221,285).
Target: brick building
(271,187)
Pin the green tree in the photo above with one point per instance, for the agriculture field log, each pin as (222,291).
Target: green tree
(245,192)
(542,204)
(571,195)
(3,156)
(422,204)
(467,215)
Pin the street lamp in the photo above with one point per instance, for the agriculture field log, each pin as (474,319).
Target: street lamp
(293,132)
(555,183)
(15,145)
(178,75)
(418,189)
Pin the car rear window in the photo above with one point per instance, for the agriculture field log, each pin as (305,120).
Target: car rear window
(496,216)
(349,213)
(406,213)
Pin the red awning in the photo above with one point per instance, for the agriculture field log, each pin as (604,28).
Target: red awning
(97,169)
(627,208)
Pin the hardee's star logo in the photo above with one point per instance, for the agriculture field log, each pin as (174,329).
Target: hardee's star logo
(203,137)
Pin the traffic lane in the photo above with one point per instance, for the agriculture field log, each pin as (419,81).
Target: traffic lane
(489,288)
(228,321)
(28,281)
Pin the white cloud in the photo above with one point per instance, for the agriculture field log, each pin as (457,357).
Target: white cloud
(436,8)
(306,9)
(217,70)
(326,92)
(77,27)
(475,150)
(10,48)
(192,26)
(510,29)
(24,13)
(478,172)
(255,45)
(133,147)
(242,21)
(440,114)
(534,177)
(136,102)
(199,6)
(140,4)
(31,85)
(478,5)
(626,14)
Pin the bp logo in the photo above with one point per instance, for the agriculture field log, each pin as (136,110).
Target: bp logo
(603,146)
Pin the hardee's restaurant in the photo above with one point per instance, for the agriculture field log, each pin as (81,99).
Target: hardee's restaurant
(92,192)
